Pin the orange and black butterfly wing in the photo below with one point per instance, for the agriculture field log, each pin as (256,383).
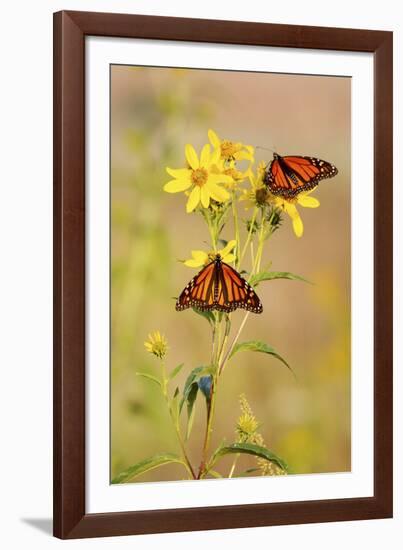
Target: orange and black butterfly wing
(288,176)
(199,292)
(233,292)
(218,286)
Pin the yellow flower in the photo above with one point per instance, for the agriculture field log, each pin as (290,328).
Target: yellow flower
(230,169)
(256,195)
(157,344)
(247,424)
(231,150)
(247,431)
(289,206)
(236,175)
(201,174)
(200,258)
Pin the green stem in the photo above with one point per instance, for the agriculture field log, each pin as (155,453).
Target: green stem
(213,233)
(234,341)
(219,340)
(218,346)
(252,254)
(259,252)
(250,233)
(209,428)
(255,268)
(231,472)
(237,234)
(214,358)
(214,331)
(225,340)
(184,453)
(175,422)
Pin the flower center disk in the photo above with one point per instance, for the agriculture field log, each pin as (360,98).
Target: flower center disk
(228,149)
(199,177)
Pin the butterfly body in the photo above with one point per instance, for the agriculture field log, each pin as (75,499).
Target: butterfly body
(219,287)
(290,175)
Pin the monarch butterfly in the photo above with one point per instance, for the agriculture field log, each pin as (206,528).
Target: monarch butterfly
(218,286)
(289,176)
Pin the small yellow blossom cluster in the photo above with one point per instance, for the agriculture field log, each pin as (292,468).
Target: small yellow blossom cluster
(247,431)
(214,178)
(247,424)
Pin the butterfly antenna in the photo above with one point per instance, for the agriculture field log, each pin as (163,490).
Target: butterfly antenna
(265,148)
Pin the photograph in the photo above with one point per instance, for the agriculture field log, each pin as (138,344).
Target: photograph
(201,275)
(230,274)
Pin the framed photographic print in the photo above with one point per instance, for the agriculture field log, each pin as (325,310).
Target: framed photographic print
(222,272)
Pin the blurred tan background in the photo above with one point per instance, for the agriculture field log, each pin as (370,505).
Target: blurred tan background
(154,113)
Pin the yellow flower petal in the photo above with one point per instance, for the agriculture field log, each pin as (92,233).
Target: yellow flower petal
(191,156)
(243,155)
(205,196)
(308,202)
(176,186)
(289,208)
(297,224)
(217,193)
(192,263)
(199,255)
(229,246)
(219,178)
(178,173)
(199,258)
(251,176)
(214,139)
(215,157)
(228,258)
(194,199)
(205,156)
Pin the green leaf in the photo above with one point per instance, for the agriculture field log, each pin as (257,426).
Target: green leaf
(149,377)
(270,275)
(208,315)
(207,371)
(194,376)
(175,406)
(191,399)
(250,449)
(146,465)
(255,345)
(188,383)
(175,371)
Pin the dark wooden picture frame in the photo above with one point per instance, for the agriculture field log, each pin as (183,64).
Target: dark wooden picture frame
(70,517)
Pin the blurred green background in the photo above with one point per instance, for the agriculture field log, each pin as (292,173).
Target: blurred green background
(154,113)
